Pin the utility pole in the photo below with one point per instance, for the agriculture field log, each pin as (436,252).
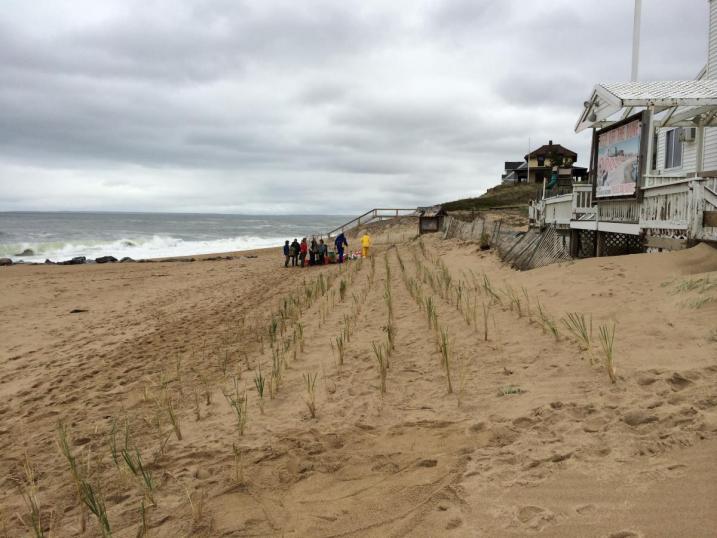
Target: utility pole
(636,40)
(527,178)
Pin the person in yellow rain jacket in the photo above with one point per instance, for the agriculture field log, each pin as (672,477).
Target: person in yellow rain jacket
(365,244)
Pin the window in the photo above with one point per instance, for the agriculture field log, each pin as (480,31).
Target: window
(541,161)
(673,148)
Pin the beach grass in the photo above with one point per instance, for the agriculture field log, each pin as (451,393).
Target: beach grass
(310,382)
(239,403)
(444,345)
(382,363)
(173,418)
(580,328)
(607,341)
(197,503)
(96,505)
(29,489)
(341,348)
(143,530)
(260,385)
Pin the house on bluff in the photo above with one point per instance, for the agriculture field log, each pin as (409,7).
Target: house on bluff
(552,163)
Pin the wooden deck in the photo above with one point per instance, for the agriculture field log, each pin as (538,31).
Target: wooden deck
(669,213)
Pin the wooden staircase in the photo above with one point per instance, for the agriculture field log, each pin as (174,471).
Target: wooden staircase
(379,213)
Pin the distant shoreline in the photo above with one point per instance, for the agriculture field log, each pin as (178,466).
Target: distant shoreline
(188,213)
(214,256)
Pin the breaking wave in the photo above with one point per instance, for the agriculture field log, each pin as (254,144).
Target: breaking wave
(145,248)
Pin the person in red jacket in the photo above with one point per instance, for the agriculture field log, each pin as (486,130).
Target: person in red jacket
(303,249)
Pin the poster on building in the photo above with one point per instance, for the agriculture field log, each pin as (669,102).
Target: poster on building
(618,159)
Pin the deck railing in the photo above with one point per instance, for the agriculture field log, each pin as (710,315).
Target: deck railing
(711,184)
(667,206)
(660,180)
(379,213)
(561,209)
(706,228)
(582,200)
(671,209)
(679,207)
(558,210)
(534,212)
(620,211)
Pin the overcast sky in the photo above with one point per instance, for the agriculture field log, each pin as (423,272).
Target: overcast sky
(305,106)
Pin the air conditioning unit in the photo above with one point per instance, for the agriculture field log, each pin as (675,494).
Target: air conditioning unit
(687,135)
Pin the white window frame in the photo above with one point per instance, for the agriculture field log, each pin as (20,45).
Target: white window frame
(674,151)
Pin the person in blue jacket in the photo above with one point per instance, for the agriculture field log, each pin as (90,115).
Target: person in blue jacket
(340,243)
(287,253)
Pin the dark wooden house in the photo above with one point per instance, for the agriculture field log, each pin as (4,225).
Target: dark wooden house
(430,219)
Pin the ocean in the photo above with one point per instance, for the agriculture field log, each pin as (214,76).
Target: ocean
(61,236)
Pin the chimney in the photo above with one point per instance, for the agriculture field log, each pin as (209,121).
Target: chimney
(550,142)
(712,46)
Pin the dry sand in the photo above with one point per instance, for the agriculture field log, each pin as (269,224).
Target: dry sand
(564,453)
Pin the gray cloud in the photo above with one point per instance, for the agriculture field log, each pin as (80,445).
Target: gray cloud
(278,106)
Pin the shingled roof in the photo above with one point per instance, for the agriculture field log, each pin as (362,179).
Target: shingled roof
(688,98)
(431,211)
(552,149)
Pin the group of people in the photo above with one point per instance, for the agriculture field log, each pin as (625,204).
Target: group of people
(317,252)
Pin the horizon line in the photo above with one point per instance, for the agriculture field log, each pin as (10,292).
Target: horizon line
(129,212)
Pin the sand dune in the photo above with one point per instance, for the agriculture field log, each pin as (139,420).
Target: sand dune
(533,438)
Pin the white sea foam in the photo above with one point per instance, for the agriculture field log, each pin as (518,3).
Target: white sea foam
(137,248)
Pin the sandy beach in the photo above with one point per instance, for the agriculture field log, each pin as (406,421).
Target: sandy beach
(531,438)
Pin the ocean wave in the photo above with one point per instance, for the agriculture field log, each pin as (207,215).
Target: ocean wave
(145,248)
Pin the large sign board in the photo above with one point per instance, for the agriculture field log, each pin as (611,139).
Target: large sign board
(618,159)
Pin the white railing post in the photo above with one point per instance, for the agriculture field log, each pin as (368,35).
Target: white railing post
(650,142)
(696,206)
(574,207)
(700,145)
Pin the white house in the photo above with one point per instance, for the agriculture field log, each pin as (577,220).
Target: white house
(676,150)
(653,182)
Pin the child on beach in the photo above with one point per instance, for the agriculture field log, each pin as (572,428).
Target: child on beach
(365,244)
(323,253)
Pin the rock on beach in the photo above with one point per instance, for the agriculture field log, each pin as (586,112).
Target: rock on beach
(106,259)
(79,260)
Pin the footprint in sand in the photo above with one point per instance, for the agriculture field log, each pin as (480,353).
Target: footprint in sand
(594,424)
(625,534)
(526,513)
(535,517)
(678,382)
(454,523)
(638,417)
(523,422)
(646,379)
(586,509)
